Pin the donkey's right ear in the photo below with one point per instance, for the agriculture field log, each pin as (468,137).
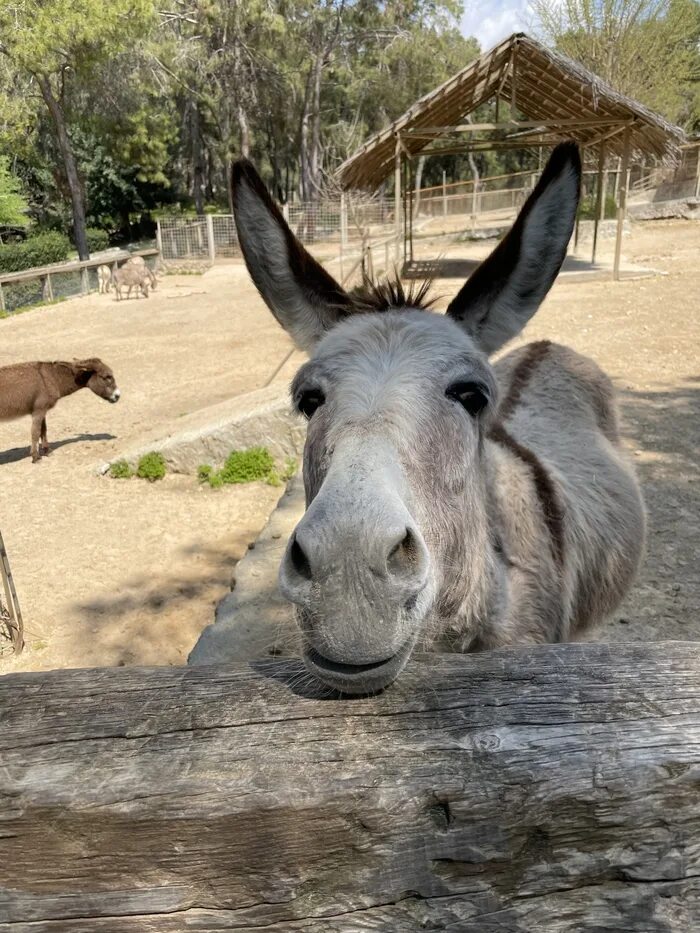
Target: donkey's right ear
(304,298)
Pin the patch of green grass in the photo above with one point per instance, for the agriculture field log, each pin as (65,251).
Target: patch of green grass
(151,467)
(247,466)
(120,469)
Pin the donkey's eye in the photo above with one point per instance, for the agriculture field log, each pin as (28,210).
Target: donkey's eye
(472,396)
(309,401)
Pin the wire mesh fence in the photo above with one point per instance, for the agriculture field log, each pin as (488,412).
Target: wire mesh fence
(59,281)
(213,236)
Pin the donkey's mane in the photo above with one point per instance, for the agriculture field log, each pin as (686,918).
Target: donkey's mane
(389,295)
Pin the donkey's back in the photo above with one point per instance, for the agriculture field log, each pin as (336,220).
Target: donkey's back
(562,407)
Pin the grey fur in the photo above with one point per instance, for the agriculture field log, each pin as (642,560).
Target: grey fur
(428,524)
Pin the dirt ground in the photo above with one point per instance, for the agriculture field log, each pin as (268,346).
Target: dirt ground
(123,572)
(115,572)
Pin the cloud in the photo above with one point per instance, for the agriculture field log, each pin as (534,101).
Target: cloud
(493,20)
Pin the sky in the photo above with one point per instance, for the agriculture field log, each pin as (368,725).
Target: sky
(493,20)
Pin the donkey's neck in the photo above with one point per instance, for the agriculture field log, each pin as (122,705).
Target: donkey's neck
(65,378)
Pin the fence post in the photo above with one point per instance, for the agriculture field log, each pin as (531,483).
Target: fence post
(2,299)
(85,281)
(210,238)
(159,239)
(343,229)
(444,193)
(47,288)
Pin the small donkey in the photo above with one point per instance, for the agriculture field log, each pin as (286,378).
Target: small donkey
(34,388)
(450,502)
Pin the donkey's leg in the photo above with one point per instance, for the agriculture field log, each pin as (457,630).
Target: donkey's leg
(44,449)
(37,418)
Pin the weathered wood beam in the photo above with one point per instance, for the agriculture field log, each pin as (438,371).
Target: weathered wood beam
(554,788)
(510,125)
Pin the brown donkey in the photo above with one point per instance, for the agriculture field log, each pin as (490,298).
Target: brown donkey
(34,388)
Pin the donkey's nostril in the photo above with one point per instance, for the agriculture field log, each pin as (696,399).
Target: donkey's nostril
(299,560)
(403,554)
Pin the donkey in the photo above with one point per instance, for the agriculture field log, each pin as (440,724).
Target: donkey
(34,388)
(104,279)
(140,263)
(450,503)
(130,276)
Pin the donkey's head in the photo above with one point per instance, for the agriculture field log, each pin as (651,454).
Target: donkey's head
(397,400)
(98,377)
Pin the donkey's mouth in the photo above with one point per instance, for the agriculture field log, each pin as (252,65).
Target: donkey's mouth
(358,678)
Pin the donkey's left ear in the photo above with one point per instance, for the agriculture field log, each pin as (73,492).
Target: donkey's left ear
(504,292)
(304,298)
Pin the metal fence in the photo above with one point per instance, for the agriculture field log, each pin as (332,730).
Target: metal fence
(345,221)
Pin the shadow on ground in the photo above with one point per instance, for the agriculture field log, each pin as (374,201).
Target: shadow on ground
(15,454)
(152,623)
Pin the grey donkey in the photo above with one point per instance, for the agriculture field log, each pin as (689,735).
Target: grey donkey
(452,503)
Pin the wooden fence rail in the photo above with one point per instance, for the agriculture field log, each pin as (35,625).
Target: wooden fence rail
(551,789)
(44,273)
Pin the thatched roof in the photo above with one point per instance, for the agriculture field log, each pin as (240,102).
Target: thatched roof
(548,87)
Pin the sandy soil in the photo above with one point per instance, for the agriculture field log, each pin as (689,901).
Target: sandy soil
(115,572)
(126,573)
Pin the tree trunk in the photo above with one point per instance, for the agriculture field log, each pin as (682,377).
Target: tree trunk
(542,789)
(419,182)
(197,160)
(244,130)
(66,149)
(310,155)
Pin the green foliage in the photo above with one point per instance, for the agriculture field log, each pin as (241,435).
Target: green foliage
(120,469)
(647,49)
(247,466)
(587,206)
(13,206)
(97,239)
(151,467)
(40,250)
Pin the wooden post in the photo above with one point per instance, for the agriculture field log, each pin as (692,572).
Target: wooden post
(16,623)
(444,193)
(343,230)
(397,199)
(159,239)
(47,288)
(210,239)
(85,281)
(599,197)
(3,307)
(551,787)
(622,202)
(697,171)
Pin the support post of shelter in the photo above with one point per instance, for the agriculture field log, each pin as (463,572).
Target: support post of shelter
(210,238)
(621,202)
(397,200)
(599,199)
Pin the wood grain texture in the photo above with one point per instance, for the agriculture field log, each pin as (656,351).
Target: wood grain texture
(553,789)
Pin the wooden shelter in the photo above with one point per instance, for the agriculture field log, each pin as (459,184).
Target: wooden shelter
(549,98)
